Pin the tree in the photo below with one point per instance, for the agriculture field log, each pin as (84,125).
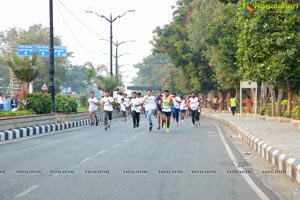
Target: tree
(97,76)
(25,69)
(269,49)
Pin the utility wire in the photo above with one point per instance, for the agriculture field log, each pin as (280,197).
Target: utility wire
(78,19)
(74,36)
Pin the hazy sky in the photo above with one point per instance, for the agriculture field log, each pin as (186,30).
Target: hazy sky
(81,31)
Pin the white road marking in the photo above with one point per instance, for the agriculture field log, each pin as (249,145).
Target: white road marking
(127,140)
(85,160)
(247,178)
(25,192)
(115,146)
(134,136)
(101,152)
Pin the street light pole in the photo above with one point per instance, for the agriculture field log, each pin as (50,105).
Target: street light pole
(110,20)
(51,49)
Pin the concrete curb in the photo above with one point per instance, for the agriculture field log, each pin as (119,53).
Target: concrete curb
(40,129)
(284,163)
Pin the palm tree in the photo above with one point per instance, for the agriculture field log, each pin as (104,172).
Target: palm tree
(25,69)
(95,76)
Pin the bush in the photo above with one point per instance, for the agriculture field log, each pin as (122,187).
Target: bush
(65,104)
(295,112)
(39,102)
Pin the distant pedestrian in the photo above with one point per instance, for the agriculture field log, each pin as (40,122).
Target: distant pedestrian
(92,105)
(14,102)
(2,99)
(248,104)
(215,103)
(107,103)
(233,103)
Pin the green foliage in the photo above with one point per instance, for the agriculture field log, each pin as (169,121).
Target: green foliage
(295,112)
(39,102)
(65,104)
(284,102)
(17,113)
(83,100)
(269,47)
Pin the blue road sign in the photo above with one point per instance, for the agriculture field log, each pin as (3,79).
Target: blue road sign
(26,50)
(60,51)
(43,51)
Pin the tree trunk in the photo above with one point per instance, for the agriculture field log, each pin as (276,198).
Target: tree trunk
(228,96)
(221,100)
(24,90)
(264,97)
(279,99)
(273,99)
(289,103)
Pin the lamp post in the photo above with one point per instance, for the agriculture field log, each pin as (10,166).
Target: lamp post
(51,50)
(117,45)
(110,20)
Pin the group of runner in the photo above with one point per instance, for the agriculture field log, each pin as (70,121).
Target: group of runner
(163,105)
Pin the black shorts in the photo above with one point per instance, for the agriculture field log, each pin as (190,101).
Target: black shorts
(168,114)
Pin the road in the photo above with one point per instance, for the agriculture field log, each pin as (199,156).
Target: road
(126,163)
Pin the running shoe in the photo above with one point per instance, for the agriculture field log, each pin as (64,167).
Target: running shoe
(165,125)
(105,128)
(168,130)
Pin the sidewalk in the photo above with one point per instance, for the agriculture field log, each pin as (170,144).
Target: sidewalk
(277,142)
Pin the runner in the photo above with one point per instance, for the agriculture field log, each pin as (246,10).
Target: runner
(107,103)
(135,104)
(167,102)
(123,109)
(176,107)
(127,100)
(194,105)
(92,105)
(139,97)
(158,108)
(182,109)
(149,102)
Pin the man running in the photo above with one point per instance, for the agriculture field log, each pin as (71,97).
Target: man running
(107,103)
(92,105)
(149,102)
(158,107)
(194,105)
(135,104)
(167,102)
(176,107)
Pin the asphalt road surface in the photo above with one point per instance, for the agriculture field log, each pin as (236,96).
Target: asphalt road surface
(126,163)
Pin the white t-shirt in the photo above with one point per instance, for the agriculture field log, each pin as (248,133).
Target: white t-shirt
(93,107)
(123,106)
(149,103)
(119,98)
(135,102)
(107,105)
(127,100)
(194,103)
(175,103)
(183,105)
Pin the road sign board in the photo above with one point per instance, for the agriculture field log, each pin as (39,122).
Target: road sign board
(60,51)
(26,50)
(43,50)
(44,87)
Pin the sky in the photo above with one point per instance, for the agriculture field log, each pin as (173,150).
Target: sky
(86,34)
